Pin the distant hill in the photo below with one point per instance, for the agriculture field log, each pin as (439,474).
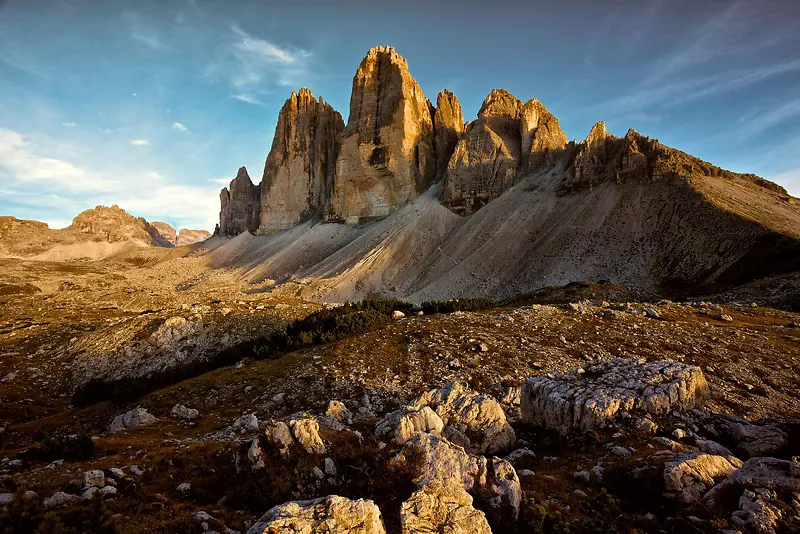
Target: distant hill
(94,233)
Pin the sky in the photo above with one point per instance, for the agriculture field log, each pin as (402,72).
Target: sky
(154,104)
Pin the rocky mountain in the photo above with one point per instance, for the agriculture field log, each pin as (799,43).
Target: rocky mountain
(498,206)
(182,237)
(94,233)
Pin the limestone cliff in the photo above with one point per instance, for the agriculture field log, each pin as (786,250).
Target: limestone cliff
(240,206)
(448,127)
(485,160)
(387,156)
(541,135)
(299,171)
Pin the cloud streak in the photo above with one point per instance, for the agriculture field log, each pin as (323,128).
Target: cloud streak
(248,64)
(178,127)
(140,142)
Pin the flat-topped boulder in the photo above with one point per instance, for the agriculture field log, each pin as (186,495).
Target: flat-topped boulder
(594,396)
(331,514)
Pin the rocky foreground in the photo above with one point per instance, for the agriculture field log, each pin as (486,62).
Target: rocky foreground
(589,416)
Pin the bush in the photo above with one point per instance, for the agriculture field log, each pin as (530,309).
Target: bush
(27,515)
(451,306)
(322,326)
(70,448)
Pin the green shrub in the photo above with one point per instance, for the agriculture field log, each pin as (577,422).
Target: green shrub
(454,305)
(73,448)
(27,515)
(322,326)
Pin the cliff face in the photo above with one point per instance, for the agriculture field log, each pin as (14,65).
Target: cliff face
(387,156)
(299,171)
(240,206)
(448,127)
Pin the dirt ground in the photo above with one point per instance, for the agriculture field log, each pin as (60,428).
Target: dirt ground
(56,317)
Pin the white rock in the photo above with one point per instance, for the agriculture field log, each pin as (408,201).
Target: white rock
(182,412)
(305,431)
(246,423)
(95,478)
(607,390)
(690,475)
(60,499)
(133,419)
(108,490)
(329,515)
(339,411)
(330,467)
(397,314)
(185,487)
(442,507)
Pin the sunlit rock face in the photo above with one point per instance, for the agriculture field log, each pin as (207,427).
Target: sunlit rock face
(387,156)
(299,171)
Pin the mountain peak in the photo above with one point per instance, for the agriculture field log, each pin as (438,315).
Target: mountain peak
(500,103)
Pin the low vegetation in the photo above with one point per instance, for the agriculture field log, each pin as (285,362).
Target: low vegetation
(323,326)
(26,515)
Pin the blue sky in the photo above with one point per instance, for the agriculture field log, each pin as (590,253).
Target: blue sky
(154,104)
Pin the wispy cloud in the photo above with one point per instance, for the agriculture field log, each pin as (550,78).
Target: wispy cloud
(249,63)
(758,121)
(221,181)
(24,162)
(26,168)
(140,142)
(247,99)
(178,127)
(143,33)
(68,124)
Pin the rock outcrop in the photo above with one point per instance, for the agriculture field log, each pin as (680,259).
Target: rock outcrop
(508,139)
(465,417)
(443,460)
(588,398)
(689,476)
(331,515)
(300,167)
(541,135)
(448,127)
(442,507)
(387,155)
(166,231)
(190,237)
(240,206)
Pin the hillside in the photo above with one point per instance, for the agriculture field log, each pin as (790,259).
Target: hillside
(95,233)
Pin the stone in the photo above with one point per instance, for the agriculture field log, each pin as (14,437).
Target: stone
(448,127)
(330,467)
(387,155)
(182,412)
(401,425)
(484,162)
(133,419)
(305,431)
(689,475)
(60,499)
(652,313)
(339,411)
(512,396)
(239,206)
(184,487)
(246,423)
(301,164)
(442,460)
(105,491)
(582,476)
(397,314)
(331,515)
(479,416)
(90,492)
(756,513)
(95,478)
(519,455)
(6,498)
(442,507)
(117,473)
(679,433)
(645,425)
(749,439)
(607,390)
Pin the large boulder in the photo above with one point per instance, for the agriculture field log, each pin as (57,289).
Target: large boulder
(440,460)
(301,165)
(239,205)
(442,507)
(387,156)
(477,420)
(690,475)
(305,431)
(328,515)
(588,398)
(747,438)
(132,419)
